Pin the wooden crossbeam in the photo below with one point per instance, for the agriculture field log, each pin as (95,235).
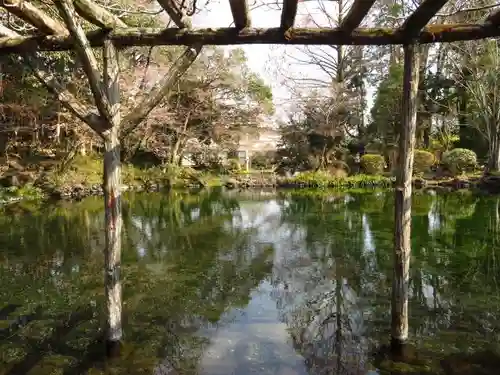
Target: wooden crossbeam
(493,19)
(354,17)
(34,16)
(421,16)
(129,37)
(241,16)
(288,14)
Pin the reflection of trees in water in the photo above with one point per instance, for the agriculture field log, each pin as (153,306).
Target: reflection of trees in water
(317,289)
(189,259)
(334,292)
(191,271)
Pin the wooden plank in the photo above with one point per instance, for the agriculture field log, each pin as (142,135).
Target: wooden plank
(402,195)
(34,16)
(421,17)
(288,14)
(129,37)
(241,16)
(354,17)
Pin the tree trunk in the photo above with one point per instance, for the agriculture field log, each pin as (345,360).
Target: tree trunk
(175,157)
(424,119)
(494,153)
(402,231)
(112,198)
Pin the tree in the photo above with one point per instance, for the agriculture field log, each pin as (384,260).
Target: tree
(314,133)
(386,110)
(482,90)
(106,117)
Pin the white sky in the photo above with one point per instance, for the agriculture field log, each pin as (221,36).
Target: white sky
(266,60)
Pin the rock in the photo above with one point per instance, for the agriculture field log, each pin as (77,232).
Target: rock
(16,178)
(232,183)
(9,181)
(419,183)
(456,184)
(491,184)
(14,165)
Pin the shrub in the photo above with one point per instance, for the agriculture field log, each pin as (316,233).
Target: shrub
(263,160)
(233,165)
(459,160)
(422,161)
(372,163)
(324,179)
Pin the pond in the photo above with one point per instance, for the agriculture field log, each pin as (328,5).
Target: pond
(251,283)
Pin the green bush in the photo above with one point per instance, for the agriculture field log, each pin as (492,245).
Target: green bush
(233,165)
(263,160)
(459,160)
(372,164)
(422,161)
(323,179)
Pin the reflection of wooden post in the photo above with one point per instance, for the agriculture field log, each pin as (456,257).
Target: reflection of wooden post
(112,197)
(402,230)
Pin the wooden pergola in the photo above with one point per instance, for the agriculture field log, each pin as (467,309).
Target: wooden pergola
(105,117)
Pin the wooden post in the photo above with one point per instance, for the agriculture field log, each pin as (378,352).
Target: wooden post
(402,209)
(112,198)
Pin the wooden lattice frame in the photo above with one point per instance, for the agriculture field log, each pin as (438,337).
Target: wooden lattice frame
(55,35)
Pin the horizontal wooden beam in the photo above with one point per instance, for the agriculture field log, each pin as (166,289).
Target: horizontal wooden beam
(354,17)
(129,37)
(288,13)
(421,17)
(241,16)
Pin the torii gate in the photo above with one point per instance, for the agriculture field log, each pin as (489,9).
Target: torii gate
(106,119)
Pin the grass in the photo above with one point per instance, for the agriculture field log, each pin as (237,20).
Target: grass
(27,192)
(322,179)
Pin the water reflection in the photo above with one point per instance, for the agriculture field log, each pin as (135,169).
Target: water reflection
(270,284)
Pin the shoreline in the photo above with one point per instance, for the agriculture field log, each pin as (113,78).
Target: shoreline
(485,184)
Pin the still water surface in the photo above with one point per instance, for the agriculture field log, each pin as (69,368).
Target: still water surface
(251,283)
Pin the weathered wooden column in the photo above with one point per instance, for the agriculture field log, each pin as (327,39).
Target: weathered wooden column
(402,209)
(112,197)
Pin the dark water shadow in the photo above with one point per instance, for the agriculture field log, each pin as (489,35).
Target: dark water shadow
(408,360)
(20,321)
(55,343)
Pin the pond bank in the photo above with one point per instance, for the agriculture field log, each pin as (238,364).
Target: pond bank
(489,185)
(85,182)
